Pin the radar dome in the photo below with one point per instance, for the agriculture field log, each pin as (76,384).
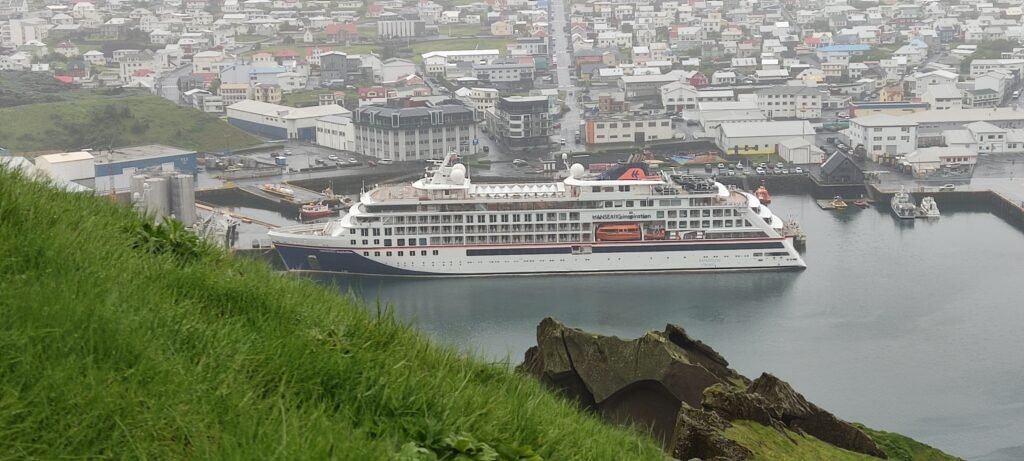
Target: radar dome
(458,175)
(576,170)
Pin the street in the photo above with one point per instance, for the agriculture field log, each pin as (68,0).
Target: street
(561,52)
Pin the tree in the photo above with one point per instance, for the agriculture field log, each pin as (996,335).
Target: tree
(215,86)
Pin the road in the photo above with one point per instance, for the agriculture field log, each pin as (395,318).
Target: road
(168,82)
(561,50)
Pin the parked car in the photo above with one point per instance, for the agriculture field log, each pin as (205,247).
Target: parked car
(777,171)
(785,171)
(760,170)
(519,162)
(798,170)
(353,161)
(721,165)
(562,141)
(779,165)
(843,115)
(332,157)
(947,187)
(732,172)
(385,161)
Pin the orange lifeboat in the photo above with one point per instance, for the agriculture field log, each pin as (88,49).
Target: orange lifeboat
(618,232)
(762,194)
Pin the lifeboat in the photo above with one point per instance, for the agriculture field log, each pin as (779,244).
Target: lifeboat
(762,194)
(618,232)
(654,234)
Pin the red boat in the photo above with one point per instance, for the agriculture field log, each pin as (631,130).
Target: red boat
(762,195)
(860,203)
(312,211)
(618,232)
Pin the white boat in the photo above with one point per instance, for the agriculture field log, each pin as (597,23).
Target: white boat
(624,220)
(928,208)
(903,205)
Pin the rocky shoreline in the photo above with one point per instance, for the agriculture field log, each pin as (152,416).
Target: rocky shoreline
(681,389)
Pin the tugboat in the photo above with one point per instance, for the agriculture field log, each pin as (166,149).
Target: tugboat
(838,203)
(902,205)
(311,211)
(762,194)
(928,208)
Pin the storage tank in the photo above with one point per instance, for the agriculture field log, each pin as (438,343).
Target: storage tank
(137,187)
(158,197)
(183,198)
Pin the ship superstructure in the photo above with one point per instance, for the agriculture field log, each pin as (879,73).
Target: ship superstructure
(624,220)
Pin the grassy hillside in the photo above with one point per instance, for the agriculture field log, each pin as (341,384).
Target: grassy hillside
(768,444)
(104,122)
(151,350)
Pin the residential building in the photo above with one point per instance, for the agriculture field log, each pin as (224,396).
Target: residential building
(624,128)
(943,97)
(336,132)
(481,99)
(337,67)
(402,133)
(928,161)
(679,96)
(511,72)
(884,135)
(839,168)
(521,121)
(982,66)
(233,92)
(980,98)
(266,92)
(790,101)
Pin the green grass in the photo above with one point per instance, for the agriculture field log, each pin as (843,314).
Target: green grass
(768,444)
(302,98)
(96,122)
(244,38)
(112,352)
(301,49)
(902,448)
(463,30)
(419,48)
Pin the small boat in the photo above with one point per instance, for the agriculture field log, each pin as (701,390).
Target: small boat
(838,203)
(928,208)
(762,195)
(618,232)
(312,211)
(860,203)
(902,205)
(278,189)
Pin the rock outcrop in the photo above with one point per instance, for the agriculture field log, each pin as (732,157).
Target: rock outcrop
(679,387)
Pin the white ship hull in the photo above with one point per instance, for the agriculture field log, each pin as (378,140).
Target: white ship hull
(543,259)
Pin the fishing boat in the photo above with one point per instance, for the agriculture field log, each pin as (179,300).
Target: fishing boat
(624,219)
(838,203)
(278,189)
(316,210)
(762,194)
(928,208)
(903,205)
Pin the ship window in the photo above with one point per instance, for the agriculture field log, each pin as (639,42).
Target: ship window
(678,202)
(493,218)
(527,217)
(562,216)
(705,224)
(481,218)
(682,213)
(540,217)
(671,213)
(401,253)
(671,224)
(717,223)
(376,232)
(694,224)
(364,232)
(401,242)
(682,224)
(608,204)
(389,253)
(623,188)
(504,218)
(352,231)
(660,214)
(351,242)
(435,252)
(595,189)
(717,212)
(376,253)
(423,252)
(629,203)
(387,242)
(423,242)
(705,213)
(387,231)
(728,223)
(376,241)
(366,253)
(618,204)
(366,242)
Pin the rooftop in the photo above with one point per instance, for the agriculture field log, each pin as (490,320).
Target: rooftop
(765,129)
(124,154)
(259,107)
(882,120)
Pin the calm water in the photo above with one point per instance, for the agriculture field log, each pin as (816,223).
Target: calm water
(915,328)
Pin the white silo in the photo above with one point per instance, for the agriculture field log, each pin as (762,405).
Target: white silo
(158,197)
(183,199)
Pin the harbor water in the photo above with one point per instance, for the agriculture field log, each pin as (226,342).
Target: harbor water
(913,327)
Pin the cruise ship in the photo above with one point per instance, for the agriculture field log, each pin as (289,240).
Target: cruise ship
(625,220)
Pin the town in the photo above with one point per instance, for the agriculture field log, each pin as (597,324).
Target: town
(770,173)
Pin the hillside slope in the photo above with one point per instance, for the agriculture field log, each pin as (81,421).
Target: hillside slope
(102,122)
(109,351)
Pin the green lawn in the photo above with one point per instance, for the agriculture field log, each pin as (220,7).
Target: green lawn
(463,30)
(304,98)
(249,38)
(121,341)
(102,122)
(418,48)
(301,49)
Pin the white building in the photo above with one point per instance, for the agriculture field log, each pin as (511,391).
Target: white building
(790,101)
(883,135)
(627,129)
(800,151)
(943,97)
(482,99)
(982,66)
(394,68)
(280,122)
(927,161)
(68,166)
(336,132)
(761,138)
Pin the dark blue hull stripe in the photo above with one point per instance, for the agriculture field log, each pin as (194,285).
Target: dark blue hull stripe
(298,258)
